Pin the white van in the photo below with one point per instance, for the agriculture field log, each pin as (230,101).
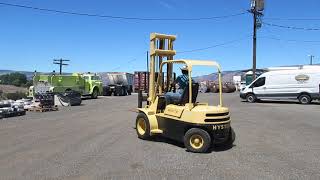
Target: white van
(302,84)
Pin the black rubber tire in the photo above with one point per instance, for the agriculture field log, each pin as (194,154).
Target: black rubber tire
(68,90)
(123,91)
(231,138)
(94,94)
(146,135)
(117,91)
(205,137)
(304,99)
(108,93)
(251,98)
(129,90)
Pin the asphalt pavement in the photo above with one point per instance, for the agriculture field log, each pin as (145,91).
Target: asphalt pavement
(97,140)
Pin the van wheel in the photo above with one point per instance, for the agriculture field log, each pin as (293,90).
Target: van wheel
(251,98)
(197,140)
(142,126)
(304,99)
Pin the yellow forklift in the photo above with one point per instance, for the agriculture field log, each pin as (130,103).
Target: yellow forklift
(198,125)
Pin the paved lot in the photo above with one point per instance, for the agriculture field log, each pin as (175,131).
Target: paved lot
(98,141)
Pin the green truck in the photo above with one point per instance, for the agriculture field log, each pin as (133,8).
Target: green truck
(87,84)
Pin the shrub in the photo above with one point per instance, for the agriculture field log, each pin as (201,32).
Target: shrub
(15,96)
(16,79)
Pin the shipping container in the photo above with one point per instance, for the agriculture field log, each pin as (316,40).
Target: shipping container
(141,81)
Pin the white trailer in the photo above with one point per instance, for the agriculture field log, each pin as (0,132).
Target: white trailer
(117,83)
(301,83)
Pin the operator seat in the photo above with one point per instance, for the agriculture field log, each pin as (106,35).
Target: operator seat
(185,95)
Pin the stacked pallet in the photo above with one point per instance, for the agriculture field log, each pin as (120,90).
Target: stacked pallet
(43,102)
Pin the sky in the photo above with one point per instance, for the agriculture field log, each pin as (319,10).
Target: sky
(30,39)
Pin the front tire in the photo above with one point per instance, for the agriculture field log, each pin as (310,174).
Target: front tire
(304,99)
(231,138)
(142,126)
(251,98)
(197,140)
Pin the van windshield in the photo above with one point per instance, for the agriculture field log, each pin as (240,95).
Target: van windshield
(259,82)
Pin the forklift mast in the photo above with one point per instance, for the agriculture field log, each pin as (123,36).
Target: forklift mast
(161,49)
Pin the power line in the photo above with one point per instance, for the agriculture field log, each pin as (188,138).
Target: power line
(213,46)
(291,27)
(188,51)
(130,62)
(120,17)
(292,19)
(276,37)
(289,40)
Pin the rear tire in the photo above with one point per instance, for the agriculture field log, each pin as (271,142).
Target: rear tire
(108,93)
(142,126)
(304,99)
(251,98)
(122,91)
(197,140)
(94,94)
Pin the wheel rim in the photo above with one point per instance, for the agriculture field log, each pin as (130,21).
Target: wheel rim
(304,100)
(141,126)
(250,98)
(196,141)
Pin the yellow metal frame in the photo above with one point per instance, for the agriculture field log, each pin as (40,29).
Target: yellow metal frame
(159,51)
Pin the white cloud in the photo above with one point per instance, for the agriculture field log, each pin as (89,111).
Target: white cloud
(165,4)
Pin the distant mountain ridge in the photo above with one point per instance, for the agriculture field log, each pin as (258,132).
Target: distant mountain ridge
(29,74)
(227,76)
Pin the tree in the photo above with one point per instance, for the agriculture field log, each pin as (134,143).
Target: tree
(16,79)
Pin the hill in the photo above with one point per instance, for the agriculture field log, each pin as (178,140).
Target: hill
(29,74)
(227,76)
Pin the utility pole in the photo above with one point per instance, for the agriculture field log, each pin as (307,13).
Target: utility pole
(311,59)
(254,53)
(61,63)
(257,7)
